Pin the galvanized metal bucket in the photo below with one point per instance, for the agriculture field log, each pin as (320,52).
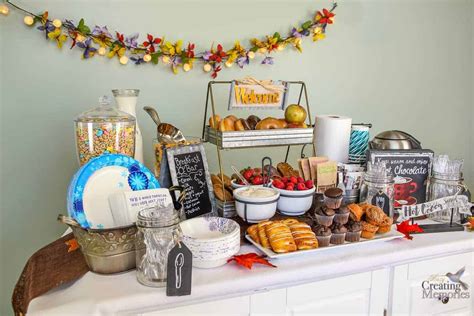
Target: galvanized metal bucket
(106,251)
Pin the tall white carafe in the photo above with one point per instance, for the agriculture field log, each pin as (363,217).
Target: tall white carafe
(127,101)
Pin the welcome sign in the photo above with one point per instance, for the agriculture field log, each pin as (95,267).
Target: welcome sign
(271,95)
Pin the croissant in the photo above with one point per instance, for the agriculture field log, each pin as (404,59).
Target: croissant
(253,233)
(303,235)
(280,237)
(262,235)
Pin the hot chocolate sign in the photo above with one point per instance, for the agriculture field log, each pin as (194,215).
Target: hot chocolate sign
(410,169)
(460,202)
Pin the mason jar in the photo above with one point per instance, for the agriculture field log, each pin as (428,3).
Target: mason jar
(158,232)
(379,191)
(442,185)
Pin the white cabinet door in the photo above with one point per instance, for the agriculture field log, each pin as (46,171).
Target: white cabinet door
(417,286)
(238,306)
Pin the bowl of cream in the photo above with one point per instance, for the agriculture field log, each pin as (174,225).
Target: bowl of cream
(256,204)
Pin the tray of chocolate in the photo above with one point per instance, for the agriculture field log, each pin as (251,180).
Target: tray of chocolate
(233,132)
(331,226)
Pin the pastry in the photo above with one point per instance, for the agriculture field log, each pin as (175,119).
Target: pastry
(333,197)
(324,215)
(253,120)
(368,230)
(289,221)
(385,226)
(338,234)
(214,121)
(241,125)
(356,212)
(226,125)
(253,233)
(286,170)
(354,229)
(284,124)
(270,123)
(221,193)
(342,215)
(227,181)
(364,207)
(280,237)
(323,235)
(262,235)
(374,215)
(215,179)
(304,237)
(232,118)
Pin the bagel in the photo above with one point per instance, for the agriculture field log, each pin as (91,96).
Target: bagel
(271,123)
(241,125)
(233,118)
(253,121)
(214,121)
(226,125)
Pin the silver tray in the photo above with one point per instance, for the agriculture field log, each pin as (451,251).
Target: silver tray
(393,234)
(259,138)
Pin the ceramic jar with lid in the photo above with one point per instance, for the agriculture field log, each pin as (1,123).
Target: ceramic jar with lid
(104,130)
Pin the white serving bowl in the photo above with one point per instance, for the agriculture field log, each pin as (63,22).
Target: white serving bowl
(294,203)
(212,240)
(235,185)
(255,209)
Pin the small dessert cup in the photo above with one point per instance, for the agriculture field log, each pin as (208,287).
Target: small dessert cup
(323,241)
(353,236)
(324,220)
(338,238)
(341,218)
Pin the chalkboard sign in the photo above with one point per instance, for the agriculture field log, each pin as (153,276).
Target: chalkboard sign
(410,169)
(188,168)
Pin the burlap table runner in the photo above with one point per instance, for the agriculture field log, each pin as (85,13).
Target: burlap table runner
(57,263)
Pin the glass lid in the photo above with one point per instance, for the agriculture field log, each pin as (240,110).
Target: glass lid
(105,112)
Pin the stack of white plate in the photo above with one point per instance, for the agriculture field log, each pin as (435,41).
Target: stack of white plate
(212,240)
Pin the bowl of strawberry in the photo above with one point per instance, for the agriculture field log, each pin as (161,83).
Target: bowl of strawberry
(252,175)
(296,195)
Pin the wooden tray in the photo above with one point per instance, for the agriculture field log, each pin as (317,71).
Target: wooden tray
(393,234)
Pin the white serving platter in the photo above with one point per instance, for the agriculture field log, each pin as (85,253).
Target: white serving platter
(393,234)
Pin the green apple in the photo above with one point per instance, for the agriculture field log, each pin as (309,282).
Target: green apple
(295,113)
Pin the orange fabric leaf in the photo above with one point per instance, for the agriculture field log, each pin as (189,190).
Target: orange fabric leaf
(247,260)
(72,245)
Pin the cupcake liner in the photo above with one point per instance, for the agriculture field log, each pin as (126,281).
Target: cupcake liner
(324,219)
(323,241)
(337,239)
(353,236)
(341,218)
(333,203)
(384,229)
(367,234)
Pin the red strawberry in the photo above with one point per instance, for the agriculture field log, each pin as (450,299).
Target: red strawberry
(285,180)
(248,174)
(309,184)
(293,179)
(278,184)
(290,187)
(300,180)
(257,180)
(301,187)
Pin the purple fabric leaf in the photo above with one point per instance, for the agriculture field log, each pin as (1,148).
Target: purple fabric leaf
(98,31)
(267,61)
(242,61)
(207,54)
(131,41)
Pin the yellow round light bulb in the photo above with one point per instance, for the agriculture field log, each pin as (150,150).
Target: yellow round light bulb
(229,64)
(166,59)
(207,67)
(251,55)
(186,67)
(146,58)
(4,9)
(28,20)
(57,23)
(101,51)
(123,60)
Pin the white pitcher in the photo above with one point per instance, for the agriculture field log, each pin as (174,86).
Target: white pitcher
(127,101)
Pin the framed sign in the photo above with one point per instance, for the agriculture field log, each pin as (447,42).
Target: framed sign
(410,169)
(188,168)
(250,96)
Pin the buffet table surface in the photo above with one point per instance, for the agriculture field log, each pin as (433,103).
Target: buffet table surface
(96,294)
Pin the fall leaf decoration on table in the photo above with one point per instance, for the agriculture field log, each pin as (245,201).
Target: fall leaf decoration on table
(406,228)
(72,245)
(247,260)
(99,41)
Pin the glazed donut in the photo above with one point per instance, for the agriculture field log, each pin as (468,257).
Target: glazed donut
(241,125)
(253,121)
(214,121)
(226,125)
(270,123)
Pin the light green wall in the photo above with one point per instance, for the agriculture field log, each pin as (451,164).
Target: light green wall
(397,64)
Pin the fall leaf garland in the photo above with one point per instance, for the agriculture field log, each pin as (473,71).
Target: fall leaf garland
(153,50)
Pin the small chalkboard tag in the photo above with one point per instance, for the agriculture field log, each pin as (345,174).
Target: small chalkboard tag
(179,271)
(381,200)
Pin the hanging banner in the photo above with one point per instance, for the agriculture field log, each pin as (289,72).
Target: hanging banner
(460,202)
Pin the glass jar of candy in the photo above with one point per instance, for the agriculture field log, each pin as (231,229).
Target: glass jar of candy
(158,232)
(378,189)
(104,130)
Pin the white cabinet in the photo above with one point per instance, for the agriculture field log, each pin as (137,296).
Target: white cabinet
(411,287)
(358,294)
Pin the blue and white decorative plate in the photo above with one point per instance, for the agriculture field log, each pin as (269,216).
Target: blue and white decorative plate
(88,192)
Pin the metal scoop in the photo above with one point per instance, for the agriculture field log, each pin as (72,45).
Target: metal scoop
(169,134)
